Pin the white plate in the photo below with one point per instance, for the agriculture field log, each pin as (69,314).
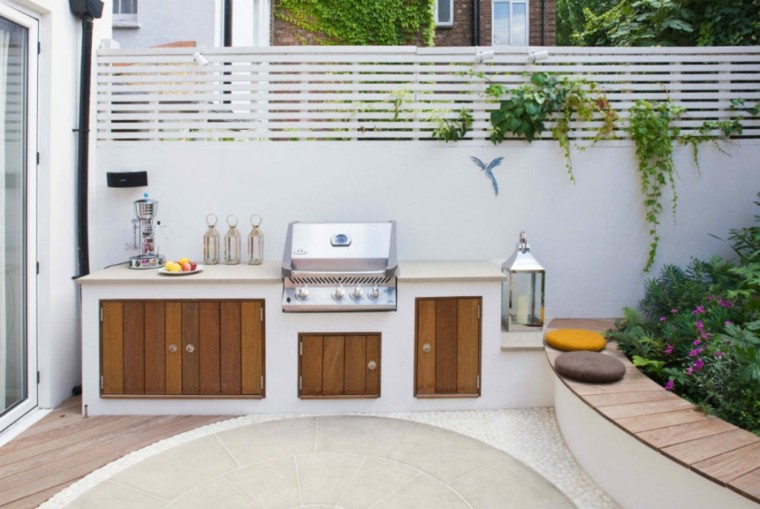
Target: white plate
(165,272)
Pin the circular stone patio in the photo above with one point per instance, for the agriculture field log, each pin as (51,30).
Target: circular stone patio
(353,461)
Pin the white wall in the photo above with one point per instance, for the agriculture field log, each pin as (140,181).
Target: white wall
(590,236)
(165,21)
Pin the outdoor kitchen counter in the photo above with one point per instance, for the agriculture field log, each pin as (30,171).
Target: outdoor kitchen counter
(242,273)
(449,271)
(119,303)
(271,272)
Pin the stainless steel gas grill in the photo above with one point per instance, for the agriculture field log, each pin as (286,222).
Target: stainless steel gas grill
(340,267)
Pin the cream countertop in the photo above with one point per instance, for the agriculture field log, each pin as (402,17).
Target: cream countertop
(270,272)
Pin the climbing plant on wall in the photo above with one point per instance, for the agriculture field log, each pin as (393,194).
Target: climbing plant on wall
(369,22)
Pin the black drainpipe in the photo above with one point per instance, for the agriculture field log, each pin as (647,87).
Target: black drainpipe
(87,10)
(476,22)
(227,23)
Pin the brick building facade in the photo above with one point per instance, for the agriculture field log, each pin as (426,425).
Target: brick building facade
(541,26)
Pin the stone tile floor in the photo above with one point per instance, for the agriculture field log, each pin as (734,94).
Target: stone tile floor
(472,459)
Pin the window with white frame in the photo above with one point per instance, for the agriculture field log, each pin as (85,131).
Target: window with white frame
(444,12)
(125,12)
(510,22)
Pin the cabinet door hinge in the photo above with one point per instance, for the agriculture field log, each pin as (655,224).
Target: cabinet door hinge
(101,383)
(477,382)
(39,48)
(261,314)
(262,382)
(300,382)
(38,378)
(478,311)
(38,158)
(38,268)
(300,348)
(101,314)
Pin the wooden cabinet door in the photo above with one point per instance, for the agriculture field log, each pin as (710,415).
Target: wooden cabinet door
(339,366)
(447,347)
(211,348)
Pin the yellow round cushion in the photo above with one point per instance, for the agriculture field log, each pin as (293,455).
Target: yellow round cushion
(575,339)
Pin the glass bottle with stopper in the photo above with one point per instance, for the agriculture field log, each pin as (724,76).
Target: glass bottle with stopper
(211,242)
(232,242)
(255,242)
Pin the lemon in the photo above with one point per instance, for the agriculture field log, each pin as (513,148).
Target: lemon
(183,260)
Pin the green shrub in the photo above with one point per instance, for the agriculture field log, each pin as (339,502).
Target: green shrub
(697,332)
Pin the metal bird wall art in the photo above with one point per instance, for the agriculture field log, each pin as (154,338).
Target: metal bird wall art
(487,169)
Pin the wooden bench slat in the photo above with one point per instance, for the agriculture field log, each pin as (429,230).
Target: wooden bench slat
(621,398)
(748,484)
(701,449)
(732,465)
(672,435)
(641,423)
(651,407)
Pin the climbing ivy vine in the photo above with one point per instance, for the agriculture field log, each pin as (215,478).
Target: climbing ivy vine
(368,22)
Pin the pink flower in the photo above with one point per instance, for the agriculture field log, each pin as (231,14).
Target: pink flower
(674,310)
(704,335)
(698,311)
(700,325)
(669,385)
(718,354)
(689,370)
(709,298)
(724,303)
(668,349)
(699,364)
(663,318)
(728,322)
(696,342)
(695,352)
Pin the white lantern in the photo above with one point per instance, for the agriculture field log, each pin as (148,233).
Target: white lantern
(522,306)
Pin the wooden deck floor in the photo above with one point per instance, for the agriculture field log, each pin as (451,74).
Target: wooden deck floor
(713,448)
(63,447)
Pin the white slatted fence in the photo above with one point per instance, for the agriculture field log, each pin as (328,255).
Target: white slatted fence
(398,93)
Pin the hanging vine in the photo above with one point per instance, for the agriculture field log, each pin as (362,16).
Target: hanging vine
(654,132)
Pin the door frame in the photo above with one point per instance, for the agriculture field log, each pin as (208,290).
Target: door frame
(30,227)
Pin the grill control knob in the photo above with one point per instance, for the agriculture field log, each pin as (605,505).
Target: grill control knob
(357,293)
(302,292)
(339,293)
(374,292)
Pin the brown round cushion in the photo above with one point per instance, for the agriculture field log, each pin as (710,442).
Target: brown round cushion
(575,339)
(591,367)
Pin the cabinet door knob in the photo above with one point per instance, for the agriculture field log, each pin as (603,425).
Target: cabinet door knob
(173,348)
(371,365)
(189,348)
(426,347)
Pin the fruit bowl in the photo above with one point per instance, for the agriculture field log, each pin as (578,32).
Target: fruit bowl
(183,267)
(165,272)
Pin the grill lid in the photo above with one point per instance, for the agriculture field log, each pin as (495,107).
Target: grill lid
(340,248)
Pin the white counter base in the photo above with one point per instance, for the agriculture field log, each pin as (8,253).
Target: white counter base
(508,379)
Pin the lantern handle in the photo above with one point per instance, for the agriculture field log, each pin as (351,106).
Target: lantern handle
(523,245)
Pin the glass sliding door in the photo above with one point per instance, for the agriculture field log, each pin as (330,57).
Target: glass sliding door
(18,390)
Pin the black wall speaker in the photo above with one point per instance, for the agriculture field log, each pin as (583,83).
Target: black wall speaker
(127,178)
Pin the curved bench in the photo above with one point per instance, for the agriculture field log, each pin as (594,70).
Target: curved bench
(650,448)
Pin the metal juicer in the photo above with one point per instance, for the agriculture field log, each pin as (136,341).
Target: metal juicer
(148,257)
